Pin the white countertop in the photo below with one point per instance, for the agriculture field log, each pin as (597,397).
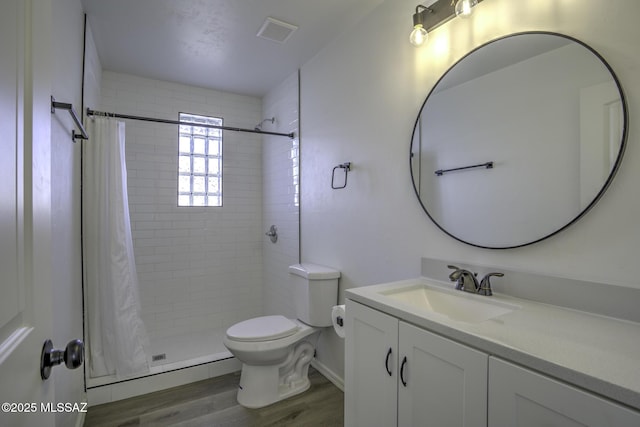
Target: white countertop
(597,353)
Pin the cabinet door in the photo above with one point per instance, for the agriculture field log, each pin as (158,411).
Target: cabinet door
(370,367)
(442,383)
(523,398)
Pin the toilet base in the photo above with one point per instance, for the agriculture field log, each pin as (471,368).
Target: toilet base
(256,389)
(264,385)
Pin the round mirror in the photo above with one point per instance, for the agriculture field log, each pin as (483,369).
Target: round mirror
(518,140)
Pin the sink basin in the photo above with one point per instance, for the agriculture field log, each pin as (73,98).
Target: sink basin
(456,305)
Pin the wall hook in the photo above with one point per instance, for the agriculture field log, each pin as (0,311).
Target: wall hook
(347,167)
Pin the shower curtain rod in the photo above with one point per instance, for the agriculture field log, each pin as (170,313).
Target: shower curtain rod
(91,112)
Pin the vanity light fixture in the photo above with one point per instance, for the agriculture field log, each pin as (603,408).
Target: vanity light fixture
(428,18)
(419,35)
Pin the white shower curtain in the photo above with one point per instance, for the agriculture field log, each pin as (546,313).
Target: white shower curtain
(118,341)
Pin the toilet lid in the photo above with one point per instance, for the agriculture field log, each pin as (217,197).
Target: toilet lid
(263,328)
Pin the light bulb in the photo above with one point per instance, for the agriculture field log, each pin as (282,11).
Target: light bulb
(418,36)
(464,8)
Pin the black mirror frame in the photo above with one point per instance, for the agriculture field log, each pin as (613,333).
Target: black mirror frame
(605,186)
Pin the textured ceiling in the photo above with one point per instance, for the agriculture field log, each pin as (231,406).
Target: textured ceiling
(213,43)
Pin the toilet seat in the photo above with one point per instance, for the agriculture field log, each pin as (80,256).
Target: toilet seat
(265,328)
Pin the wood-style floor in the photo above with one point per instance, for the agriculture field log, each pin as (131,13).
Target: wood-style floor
(213,403)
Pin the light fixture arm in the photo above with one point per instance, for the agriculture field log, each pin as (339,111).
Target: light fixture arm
(438,13)
(419,16)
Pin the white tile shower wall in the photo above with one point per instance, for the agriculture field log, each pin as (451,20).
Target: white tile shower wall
(281,196)
(198,268)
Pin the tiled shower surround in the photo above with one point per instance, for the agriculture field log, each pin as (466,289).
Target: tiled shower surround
(199,268)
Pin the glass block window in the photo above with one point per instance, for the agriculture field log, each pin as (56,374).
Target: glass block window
(199,162)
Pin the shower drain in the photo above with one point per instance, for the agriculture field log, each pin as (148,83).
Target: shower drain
(157,357)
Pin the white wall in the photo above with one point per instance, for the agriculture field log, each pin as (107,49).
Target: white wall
(67,53)
(92,73)
(280,156)
(198,268)
(359,99)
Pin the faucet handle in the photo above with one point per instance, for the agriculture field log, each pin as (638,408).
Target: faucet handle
(465,279)
(455,276)
(485,284)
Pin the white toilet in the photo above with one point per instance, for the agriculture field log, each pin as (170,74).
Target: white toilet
(275,351)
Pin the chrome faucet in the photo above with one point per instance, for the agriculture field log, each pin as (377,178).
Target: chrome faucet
(465,280)
(468,281)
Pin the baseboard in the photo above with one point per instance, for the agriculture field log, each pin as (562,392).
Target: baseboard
(328,374)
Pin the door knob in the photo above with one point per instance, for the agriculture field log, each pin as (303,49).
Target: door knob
(72,356)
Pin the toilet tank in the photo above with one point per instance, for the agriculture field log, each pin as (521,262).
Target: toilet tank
(315,290)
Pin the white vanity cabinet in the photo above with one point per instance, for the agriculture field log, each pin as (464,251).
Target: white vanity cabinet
(521,397)
(469,360)
(399,374)
(442,383)
(371,368)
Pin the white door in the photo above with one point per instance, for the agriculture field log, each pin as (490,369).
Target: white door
(520,397)
(601,133)
(370,367)
(442,383)
(25,226)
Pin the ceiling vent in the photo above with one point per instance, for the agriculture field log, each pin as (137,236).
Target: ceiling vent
(276,31)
